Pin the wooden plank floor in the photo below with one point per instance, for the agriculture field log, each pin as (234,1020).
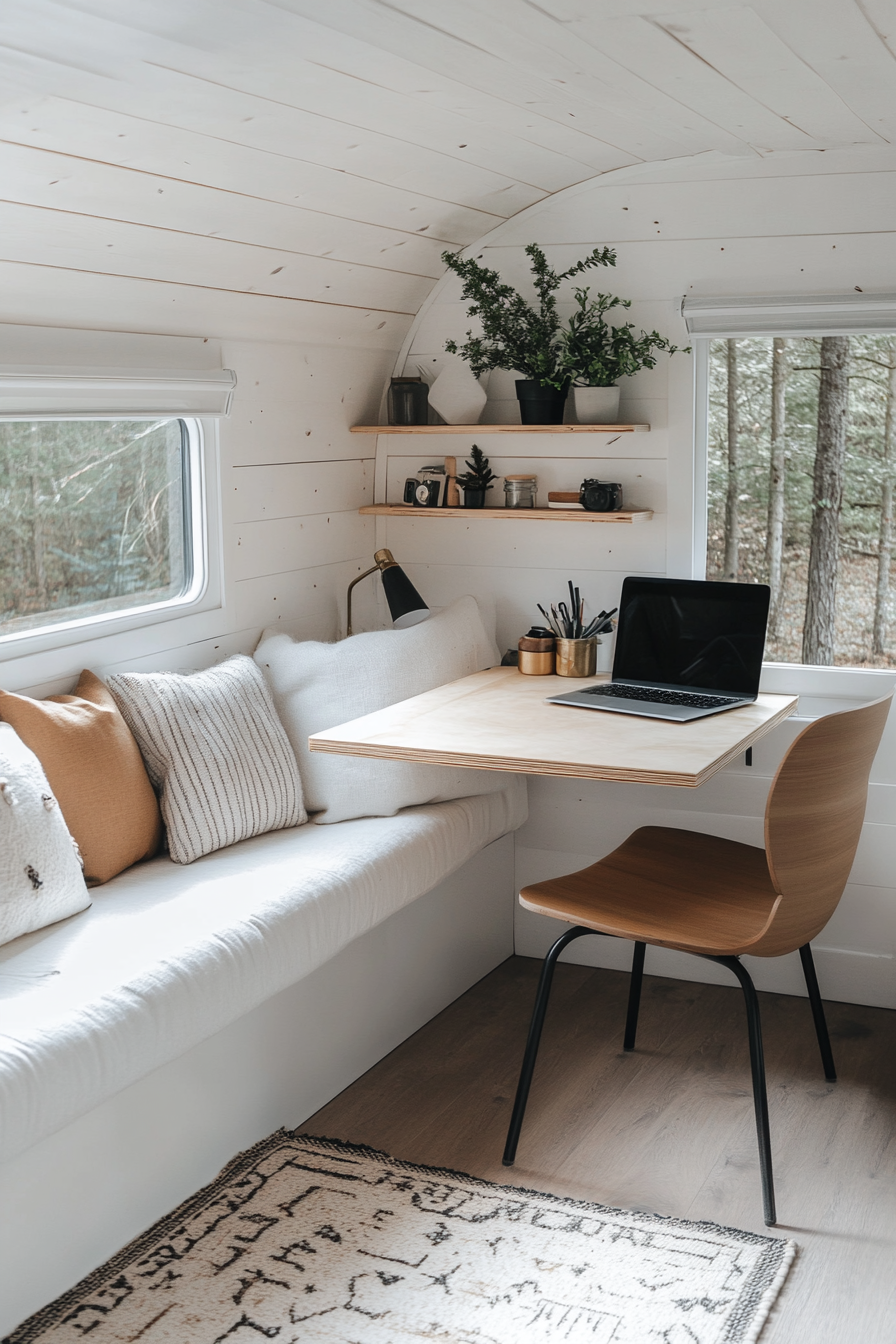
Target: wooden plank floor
(668,1128)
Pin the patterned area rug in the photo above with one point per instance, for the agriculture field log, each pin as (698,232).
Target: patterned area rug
(302,1239)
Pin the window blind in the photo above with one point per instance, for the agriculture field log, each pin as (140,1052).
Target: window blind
(790,315)
(64,393)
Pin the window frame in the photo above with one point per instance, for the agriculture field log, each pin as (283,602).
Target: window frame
(202,516)
(821,689)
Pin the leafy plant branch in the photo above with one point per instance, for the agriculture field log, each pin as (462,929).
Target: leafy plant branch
(515,333)
(595,354)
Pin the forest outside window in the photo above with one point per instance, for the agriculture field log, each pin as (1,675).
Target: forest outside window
(801,471)
(99,519)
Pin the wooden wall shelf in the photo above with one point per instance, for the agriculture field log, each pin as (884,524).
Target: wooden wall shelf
(511,515)
(500,429)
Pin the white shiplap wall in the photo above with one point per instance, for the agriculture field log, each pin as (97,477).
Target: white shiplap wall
(283,176)
(707,227)
(291,481)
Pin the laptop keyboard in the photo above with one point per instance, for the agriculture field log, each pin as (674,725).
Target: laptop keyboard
(691,699)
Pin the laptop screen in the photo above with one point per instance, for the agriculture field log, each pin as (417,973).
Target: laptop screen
(692,634)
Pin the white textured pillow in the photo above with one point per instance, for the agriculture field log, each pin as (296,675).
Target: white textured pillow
(40,872)
(317,686)
(213,745)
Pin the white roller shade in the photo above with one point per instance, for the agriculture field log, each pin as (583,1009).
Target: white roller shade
(72,392)
(790,315)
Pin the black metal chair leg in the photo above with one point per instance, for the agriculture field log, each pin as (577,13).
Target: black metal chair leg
(634,996)
(535,1026)
(760,1098)
(821,1026)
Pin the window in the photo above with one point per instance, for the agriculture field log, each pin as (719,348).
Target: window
(100,517)
(801,463)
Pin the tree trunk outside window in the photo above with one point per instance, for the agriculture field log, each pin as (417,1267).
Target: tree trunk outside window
(885,536)
(774,544)
(827,499)
(731,561)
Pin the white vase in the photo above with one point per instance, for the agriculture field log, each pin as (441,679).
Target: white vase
(457,396)
(595,405)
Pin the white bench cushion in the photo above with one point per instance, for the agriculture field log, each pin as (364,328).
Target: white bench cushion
(169,955)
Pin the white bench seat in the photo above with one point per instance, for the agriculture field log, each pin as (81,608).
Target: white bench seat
(169,955)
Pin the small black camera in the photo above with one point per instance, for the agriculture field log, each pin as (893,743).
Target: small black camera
(425,494)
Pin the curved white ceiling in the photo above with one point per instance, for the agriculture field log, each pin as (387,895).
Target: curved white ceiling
(293,169)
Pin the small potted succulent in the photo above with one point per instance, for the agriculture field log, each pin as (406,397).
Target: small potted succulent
(476,480)
(517,334)
(594,355)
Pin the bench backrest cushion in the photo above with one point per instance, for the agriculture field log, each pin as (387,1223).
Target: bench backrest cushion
(95,771)
(317,686)
(40,872)
(217,752)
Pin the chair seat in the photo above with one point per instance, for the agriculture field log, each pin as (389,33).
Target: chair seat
(671,888)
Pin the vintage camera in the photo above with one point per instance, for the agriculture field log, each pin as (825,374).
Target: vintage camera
(601,496)
(425,492)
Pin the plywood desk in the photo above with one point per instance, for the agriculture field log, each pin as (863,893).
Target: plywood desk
(500,720)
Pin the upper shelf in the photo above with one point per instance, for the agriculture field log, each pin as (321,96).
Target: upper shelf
(500,429)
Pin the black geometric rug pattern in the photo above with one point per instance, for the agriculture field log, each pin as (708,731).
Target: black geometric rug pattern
(302,1239)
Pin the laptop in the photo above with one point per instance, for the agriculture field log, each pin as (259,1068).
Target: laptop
(685,648)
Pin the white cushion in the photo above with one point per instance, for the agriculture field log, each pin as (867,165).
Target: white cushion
(213,745)
(317,686)
(167,956)
(40,873)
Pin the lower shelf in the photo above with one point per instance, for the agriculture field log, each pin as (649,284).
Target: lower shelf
(514,515)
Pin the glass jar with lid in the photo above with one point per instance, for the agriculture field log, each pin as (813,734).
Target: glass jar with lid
(520,492)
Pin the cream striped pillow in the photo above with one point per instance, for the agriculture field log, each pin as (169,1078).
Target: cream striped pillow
(214,747)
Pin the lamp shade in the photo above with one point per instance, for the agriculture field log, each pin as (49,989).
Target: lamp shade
(405,603)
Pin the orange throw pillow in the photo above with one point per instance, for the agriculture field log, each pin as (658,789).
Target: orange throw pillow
(95,769)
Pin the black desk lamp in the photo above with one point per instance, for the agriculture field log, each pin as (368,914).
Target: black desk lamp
(405,603)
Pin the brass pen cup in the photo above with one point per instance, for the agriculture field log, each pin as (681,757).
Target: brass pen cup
(577,657)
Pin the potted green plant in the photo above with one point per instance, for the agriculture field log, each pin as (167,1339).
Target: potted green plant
(476,480)
(594,355)
(517,334)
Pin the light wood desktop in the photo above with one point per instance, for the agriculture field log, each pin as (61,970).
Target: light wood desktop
(500,720)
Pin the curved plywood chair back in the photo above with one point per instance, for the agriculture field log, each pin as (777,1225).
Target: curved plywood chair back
(813,820)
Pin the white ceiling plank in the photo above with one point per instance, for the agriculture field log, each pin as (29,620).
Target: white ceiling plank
(52,296)
(548,50)
(178,100)
(186,156)
(670,66)
(738,44)
(40,177)
(460,55)
(881,17)
(273,39)
(774,207)
(278,65)
(843,48)
(651,271)
(52,237)
(348,101)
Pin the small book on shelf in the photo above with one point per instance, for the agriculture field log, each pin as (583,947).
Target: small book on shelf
(564,499)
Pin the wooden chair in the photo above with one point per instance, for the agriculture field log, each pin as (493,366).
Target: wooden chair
(720,899)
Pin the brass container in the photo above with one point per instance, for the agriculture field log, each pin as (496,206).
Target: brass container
(536,656)
(577,657)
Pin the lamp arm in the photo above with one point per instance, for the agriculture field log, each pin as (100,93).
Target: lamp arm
(348,598)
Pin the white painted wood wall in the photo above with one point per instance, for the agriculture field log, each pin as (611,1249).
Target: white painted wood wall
(291,479)
(800,224)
